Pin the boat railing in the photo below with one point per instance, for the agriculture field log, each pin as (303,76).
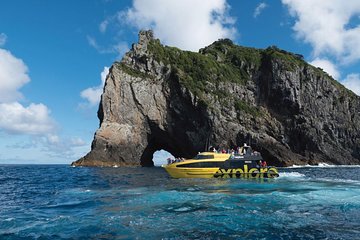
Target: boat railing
(174,160)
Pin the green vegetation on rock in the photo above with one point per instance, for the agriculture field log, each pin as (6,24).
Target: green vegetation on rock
(222,63)
(288,59)
(132,71)
(321,74)
(227,52)
(200,72)
(242,106)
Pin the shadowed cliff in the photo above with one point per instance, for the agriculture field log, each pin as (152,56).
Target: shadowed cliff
(160,97)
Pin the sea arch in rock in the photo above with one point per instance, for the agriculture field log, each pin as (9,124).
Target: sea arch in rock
(159,97)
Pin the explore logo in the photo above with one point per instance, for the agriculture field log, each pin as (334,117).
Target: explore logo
(270,172)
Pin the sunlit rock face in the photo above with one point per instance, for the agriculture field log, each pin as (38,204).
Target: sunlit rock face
(160,97)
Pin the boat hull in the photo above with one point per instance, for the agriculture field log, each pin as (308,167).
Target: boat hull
(215,165)
(178,172)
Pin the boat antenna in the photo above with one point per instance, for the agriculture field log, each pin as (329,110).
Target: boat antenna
(249,139)
(207,143)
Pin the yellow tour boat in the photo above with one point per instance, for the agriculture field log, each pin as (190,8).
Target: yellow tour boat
(244,164)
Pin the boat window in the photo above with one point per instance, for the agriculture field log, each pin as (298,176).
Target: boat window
(201,165)
(204,156)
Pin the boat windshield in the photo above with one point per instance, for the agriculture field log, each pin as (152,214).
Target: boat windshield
(199,156)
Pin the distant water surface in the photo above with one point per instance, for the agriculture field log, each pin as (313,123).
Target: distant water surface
(61,202)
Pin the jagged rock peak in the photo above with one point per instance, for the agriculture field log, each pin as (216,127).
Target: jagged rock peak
(161,97)
(145,36)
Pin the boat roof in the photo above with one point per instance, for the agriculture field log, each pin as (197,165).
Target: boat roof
(212,153)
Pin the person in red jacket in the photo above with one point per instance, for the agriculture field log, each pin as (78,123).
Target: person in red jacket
(263,164)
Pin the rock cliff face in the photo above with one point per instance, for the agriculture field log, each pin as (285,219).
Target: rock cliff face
(160,97)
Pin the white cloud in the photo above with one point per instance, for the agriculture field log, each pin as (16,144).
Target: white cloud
(93,94)
(103,26)
(259,9)
(34,119)
(92,42)
(53,139)
(23,145)
(120,48)
(13,75)
(326,25)
(352,82)
(60,149)
(331,29)
(103,75)
(3,39)
(327,66)
(15,118)
(61,145)
(77,142)
(187,24)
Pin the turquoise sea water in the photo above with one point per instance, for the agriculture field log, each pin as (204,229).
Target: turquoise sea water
(61,202)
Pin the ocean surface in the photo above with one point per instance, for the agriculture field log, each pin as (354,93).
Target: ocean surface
(61,202)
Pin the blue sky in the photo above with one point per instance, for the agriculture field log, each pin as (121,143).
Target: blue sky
(54,56)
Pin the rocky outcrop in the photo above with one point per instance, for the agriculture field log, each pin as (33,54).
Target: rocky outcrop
(160,97)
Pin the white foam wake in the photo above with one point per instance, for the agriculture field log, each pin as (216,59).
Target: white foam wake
(322,165)
(338,180)
(291,175)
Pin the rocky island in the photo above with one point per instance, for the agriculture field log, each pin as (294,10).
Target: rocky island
(160,97)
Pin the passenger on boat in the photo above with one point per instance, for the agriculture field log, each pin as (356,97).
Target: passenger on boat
(179,159)
(242,150)
(264,164)
(232,154)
